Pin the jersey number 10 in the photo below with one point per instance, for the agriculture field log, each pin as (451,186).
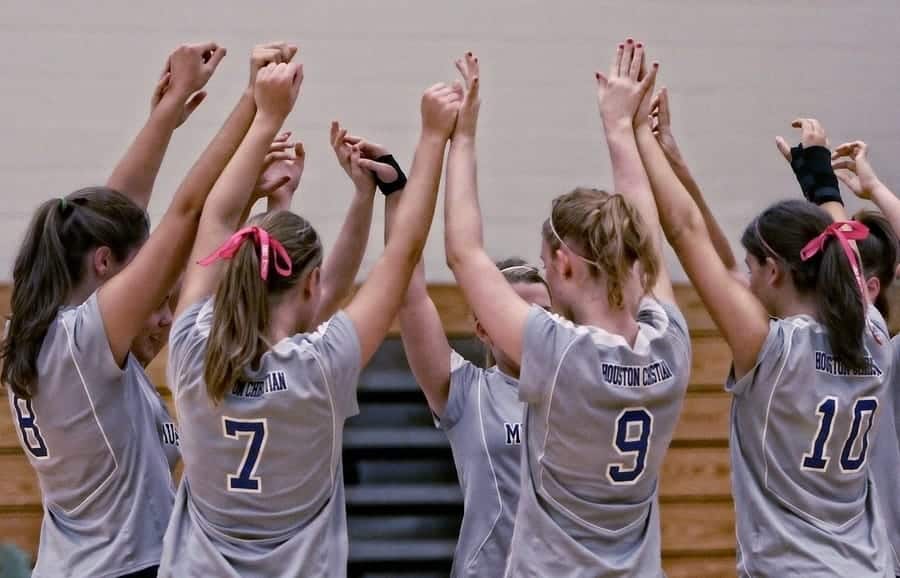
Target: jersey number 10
(817,458)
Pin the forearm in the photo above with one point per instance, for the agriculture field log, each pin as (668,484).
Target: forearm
(629,176)
(678,213)
(342,263)
(463,229)
(234,188)
(206,171)
(889,204)
(416,205)
(135,173)
(716,234)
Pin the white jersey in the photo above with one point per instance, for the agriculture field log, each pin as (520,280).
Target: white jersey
(600,417)
(483,423)
(262,493)
(90,432)
(802,424)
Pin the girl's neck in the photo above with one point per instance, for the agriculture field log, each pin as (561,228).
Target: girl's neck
(597,312)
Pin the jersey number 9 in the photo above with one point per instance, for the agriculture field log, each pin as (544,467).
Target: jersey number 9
(633,428)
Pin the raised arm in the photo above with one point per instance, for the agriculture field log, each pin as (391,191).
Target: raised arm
(275,92)
(424,340)
(661,120)
(811,163)
(624,96)
(852,168)
(497,306)
(160,262)
(378,300)
(178,93)
(342,262)
(737,313)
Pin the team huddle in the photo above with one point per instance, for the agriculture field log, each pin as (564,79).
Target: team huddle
(558,443)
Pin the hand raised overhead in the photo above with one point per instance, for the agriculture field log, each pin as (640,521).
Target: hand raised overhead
(440,107)
(624,94)
(282,169)
(356,155)
(812,133)
(187,71)
(276,89)
(467,120)
(265,54)
(851,166)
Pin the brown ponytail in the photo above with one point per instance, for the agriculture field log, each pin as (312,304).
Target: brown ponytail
(878,252)
(50,263)
(780,232)
(608,233)
(243,298)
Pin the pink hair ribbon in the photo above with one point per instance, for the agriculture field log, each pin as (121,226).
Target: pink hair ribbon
(261,238)
(844,232)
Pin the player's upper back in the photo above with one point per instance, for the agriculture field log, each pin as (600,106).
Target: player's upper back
(264,460)
(89,427)
(602,412)
(804,421)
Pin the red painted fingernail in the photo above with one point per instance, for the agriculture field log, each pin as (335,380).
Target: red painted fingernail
(639,45)
(621,46)
(629,41)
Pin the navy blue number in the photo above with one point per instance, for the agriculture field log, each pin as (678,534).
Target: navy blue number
(31,435)
(863,406)
(817,460)
(255,429)
(633,429)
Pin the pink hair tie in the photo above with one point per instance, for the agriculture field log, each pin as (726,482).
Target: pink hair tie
(844,232)
(263,240)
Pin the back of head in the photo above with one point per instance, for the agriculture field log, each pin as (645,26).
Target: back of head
(608,233)
(878,252)
(243,298)
(51,261)
(780,232)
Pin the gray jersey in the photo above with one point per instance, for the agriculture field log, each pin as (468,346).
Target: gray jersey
(800,437)
(166,427)
(600,418)
(90,434)
(483,422)
(262,492)
(885,463)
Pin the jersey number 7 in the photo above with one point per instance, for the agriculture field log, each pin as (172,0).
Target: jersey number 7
(254,429)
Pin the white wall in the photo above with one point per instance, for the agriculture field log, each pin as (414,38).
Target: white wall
(76,80)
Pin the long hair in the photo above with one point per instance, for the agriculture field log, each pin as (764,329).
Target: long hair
(51,262)
(878,252)
(516,270)
(609,233)
(780,232)
(237,338)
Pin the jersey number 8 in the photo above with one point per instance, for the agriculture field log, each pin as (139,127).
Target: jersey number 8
(31,435)
(817,460)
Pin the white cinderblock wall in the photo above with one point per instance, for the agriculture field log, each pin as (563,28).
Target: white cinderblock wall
(76,80)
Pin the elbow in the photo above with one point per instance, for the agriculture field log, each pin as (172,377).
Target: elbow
(684,226)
